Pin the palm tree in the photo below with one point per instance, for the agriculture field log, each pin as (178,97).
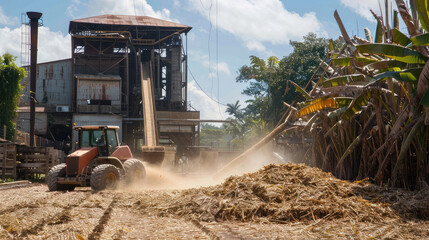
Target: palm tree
(234,109)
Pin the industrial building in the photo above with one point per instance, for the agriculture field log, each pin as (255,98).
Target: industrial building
(100,84)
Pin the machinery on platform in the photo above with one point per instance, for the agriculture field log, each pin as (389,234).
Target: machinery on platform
(100,162)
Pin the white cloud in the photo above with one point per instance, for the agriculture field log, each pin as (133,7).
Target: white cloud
(259,21)
(204,60)
(5,20)
(120,7)
(362,7)
(208,108)
(223,67)
(258,46)
(51,45)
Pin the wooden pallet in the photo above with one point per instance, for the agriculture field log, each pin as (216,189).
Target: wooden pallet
(7,160)
(35,161)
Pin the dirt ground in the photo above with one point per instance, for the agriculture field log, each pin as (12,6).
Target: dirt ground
(278,202)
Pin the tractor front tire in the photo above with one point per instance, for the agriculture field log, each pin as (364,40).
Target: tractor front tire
(52,178)
(134,170)
(105,176)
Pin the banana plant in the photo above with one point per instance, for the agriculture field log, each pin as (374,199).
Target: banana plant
(371,105)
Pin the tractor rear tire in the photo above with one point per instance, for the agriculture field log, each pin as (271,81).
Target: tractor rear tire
(134,170)
(105,176)
(53,175)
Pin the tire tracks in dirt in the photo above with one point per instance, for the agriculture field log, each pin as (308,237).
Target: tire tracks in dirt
(98,230)
(225,233)
(206,230)
(61,217)
(35,203)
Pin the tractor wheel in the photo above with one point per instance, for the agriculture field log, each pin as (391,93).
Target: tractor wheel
(105,176)
(52,177)
(134,170)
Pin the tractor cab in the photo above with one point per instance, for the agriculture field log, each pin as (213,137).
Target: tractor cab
(105,138)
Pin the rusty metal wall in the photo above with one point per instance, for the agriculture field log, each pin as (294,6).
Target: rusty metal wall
(99,88)
(53,84)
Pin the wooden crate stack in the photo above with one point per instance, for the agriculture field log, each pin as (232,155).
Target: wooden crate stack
(35,161)
(7,160)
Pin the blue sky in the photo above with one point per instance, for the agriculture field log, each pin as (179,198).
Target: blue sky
(225,33)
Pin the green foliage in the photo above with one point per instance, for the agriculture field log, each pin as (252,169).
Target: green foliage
(6,180)
(267,80)
(342,80)
(423,11)
(10,89)
(234,109)
(400,38)
(379,34)
(395,52)
(420,40)
(407,75)
(211,136)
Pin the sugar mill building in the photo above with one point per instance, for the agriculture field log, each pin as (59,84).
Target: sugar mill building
(100,83)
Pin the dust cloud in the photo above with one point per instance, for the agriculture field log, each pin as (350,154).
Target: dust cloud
(164,179)
(199,172)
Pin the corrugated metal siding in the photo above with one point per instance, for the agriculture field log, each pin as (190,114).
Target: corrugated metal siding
(176,74)
(99,89)
(53,84)
(97,119)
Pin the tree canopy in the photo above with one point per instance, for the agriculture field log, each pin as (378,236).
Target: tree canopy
(10,89)
(267,79)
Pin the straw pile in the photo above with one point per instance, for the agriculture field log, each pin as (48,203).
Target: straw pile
(276,193)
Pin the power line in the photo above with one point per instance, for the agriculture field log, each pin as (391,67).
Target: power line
(217,55)
(208,45)
(216,101)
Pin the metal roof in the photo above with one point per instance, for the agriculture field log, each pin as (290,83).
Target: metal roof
(109,19)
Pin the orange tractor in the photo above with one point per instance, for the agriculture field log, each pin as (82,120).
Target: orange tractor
(99,162)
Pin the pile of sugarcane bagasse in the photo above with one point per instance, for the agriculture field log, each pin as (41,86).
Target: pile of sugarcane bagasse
(287,193)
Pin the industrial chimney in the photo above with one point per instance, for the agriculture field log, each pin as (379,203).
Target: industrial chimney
(34,24)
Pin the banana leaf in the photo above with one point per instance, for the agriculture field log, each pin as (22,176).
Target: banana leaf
(387,64)
(409,75)
(400,38)
(395,19)
(331,45)
(393,51)
(300,90)
(356,106)
(423,11)
(337,102)
(419,40)
(336,112)
(347,61)
(342,80)
(379,33)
